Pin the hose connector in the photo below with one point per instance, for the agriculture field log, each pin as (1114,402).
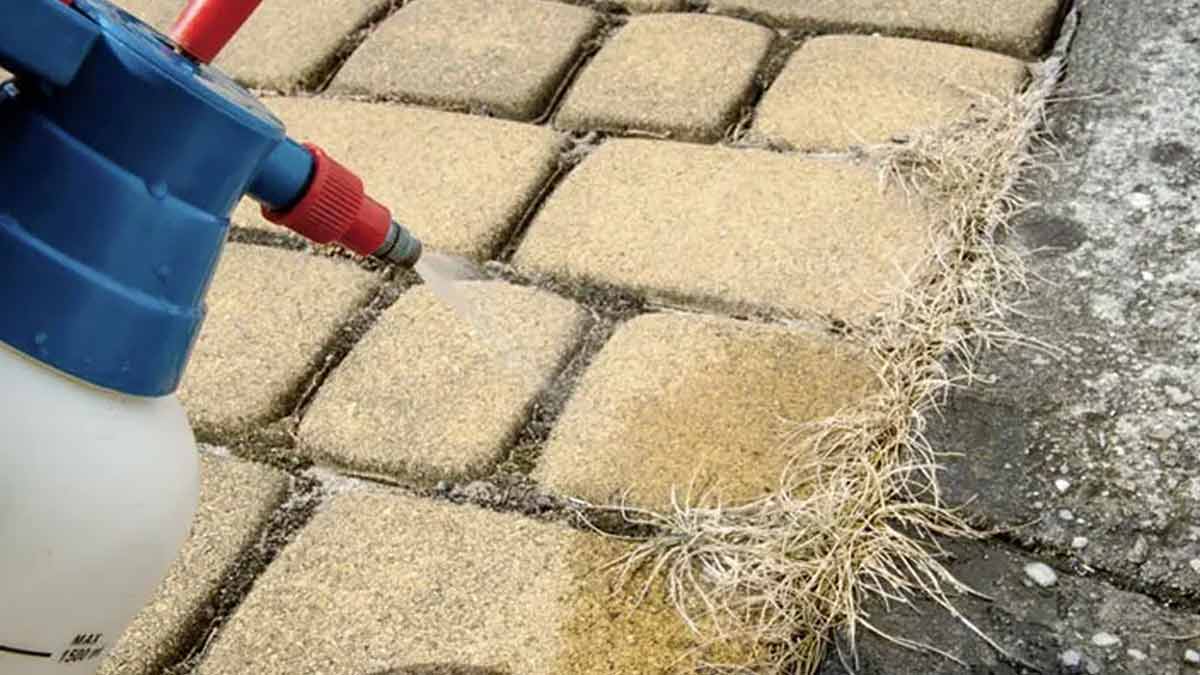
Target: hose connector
(335,208)
(400,247)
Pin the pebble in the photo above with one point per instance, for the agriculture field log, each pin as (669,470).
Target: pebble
(1137,554)
(1195,565)
(1178,396)
(1066,515)
(1105,640)
(1137,655)
(1041,574)
(1162,434)
(1071,658)
(1062,485)
(1079,543)
(1192,656)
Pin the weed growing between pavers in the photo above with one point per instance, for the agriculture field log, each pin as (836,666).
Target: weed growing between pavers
(858,514)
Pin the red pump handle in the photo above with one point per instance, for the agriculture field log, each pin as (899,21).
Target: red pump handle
(206,26)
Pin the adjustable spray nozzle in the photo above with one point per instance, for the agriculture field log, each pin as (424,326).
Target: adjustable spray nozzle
(300,186)
(303,188)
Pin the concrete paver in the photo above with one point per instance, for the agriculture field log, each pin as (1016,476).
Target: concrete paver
(682,75)
(236,502)
(271,313)
(729,228)
(1021,28)
(1099,444)
(460,182)
(675,401)
(425,396)
(838,91)
(384,582)
(284,45)
(508,57)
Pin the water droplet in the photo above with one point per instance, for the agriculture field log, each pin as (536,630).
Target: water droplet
(163,272)
(158,189)
(40,339)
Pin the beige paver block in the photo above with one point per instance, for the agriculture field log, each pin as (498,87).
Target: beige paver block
(236,502)
(427,395)
(271,314)
(689,404)
(683,75)
(388,583)
(284,45)
(459,182)
(1021,28)
(729,228)
(507,57)
(839,91)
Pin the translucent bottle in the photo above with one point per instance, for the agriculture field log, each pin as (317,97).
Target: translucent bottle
(97,492)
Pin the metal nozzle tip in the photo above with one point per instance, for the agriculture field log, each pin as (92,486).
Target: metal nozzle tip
(400,248)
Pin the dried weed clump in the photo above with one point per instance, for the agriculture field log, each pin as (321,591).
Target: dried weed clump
(858,513)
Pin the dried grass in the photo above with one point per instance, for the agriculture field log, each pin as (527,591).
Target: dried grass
(859,514)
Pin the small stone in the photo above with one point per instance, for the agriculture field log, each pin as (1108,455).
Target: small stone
(1192,656)
(1071,658)
(1041,574)
(1066,515)
(1137,654)
(1137,555)
(1178,396)
(1079,543)
(1062,485)
(1195,565)
(1162,434)
(1093,668)
(1105,640)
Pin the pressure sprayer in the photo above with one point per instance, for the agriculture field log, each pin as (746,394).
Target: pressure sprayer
(122,154)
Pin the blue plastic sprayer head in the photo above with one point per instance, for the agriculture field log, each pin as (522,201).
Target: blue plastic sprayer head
(124,155)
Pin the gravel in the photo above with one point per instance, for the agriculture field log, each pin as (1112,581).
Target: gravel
(1041,574)
(1105,640)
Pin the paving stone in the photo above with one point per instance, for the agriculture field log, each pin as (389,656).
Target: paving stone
(1115,411)
(508,57)
(425,396)
(839,91)
(236,501)
(682,75)
(1021,28)
(383,583)
(284,45)
(271,313)
(460,182)
(729,228)
(676,401)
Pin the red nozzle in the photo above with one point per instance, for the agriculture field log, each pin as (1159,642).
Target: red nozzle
(206,26)
(336,208)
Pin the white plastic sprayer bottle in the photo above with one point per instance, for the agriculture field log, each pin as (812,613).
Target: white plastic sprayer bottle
(122,154)
(97,491)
